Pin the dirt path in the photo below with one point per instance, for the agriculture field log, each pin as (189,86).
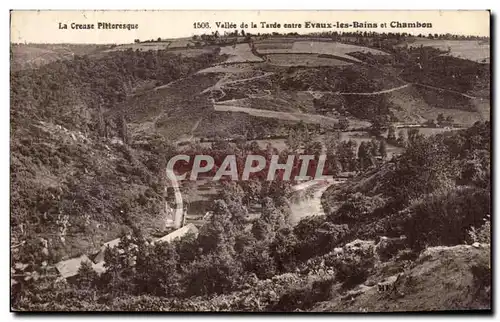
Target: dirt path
(447,90)
(248,79)
(385,91)
(396,89)
(179,205)
(219,86)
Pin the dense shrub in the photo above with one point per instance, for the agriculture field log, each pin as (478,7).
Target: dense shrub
(353,265)
(304,296)
(444,218)
(317,236)
(357,207)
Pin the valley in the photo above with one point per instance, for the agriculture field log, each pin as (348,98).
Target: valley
(404,123)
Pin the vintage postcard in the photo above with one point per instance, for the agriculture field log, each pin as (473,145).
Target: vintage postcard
(250,161)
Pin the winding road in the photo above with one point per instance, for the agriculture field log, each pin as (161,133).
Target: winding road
(179,204)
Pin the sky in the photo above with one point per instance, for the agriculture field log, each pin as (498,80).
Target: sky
(44,26)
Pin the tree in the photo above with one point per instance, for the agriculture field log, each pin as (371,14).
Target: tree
(257,259)
(425,166)
(363,155)
(376,127)
(219,230)
(233,195)
(346,154)
(343,123)
(292,141)
(215,272)
(272,215)
(314,148)
(156,270)
(283,249)
(440,118)
(445,217)
(122,128)
(331,141)
(356,208)
(414,135)
(86,277)
(315,236)
(383,149)
(391,135)
(374,147)
(401,138)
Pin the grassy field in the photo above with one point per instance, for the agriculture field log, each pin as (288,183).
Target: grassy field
(303,60)
(239,53)
(467,49)
(228,69)
(142,46)
(263,47)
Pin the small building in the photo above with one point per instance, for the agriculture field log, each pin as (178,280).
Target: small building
(111,244)
(69,268)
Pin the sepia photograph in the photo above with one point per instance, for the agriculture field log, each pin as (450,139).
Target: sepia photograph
(250,161)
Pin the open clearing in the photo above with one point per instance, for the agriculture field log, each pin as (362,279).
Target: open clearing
(303,60)
(239,53)
(306,118)
(181,43)
(228,69)
(475,50)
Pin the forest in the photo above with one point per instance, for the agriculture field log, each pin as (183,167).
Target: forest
(423,190)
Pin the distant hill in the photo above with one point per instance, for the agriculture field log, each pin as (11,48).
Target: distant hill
(35,55)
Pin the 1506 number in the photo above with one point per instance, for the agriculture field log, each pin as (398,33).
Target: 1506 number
(201,25)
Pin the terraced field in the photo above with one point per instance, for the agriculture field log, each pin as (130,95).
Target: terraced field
(304,60)
(314,47)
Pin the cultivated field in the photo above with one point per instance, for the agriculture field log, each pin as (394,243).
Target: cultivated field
(315,47)
(303,60)
(181,43)
(142,46)
(467,49)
